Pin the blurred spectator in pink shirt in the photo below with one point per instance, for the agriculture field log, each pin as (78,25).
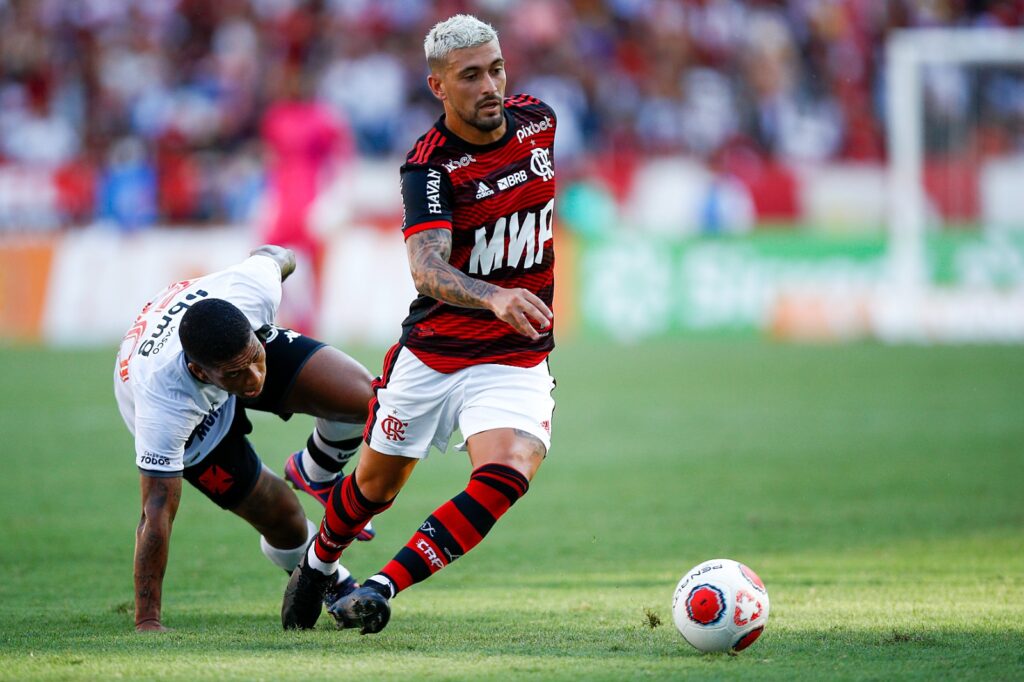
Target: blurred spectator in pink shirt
(306,145)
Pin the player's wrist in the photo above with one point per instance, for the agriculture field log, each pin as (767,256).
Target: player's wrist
(492,299)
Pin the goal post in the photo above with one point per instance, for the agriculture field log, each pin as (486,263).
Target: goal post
(908,54)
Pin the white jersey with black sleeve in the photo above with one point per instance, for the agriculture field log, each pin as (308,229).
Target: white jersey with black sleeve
(175,418)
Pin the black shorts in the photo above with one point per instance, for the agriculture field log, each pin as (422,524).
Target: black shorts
(229,473)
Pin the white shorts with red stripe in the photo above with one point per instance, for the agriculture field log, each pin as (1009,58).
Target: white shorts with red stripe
(417,407)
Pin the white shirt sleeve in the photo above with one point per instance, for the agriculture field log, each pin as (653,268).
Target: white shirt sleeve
(256,289)
(162,427)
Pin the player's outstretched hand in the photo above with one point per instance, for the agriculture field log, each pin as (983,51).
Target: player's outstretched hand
(151,625)
(523,310)
(285,258)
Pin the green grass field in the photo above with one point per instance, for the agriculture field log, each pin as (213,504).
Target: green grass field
(879,492)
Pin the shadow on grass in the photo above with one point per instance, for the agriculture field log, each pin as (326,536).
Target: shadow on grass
(511,632)
(494,646)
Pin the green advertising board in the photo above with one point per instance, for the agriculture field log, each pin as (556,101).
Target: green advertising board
(636,286)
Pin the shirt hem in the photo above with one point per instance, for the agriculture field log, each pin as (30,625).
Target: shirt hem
(423,227)
(161,474)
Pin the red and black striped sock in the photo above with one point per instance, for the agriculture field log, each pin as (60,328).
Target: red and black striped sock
(348,512)
(456,527)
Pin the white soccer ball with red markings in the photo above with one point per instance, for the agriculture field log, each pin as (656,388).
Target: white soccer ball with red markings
(720,605)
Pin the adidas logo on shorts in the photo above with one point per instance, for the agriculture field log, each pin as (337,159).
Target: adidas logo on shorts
(483,191)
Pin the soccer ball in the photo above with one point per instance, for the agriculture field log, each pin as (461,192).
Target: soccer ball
(720,605)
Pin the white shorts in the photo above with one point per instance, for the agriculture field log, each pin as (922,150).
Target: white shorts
(419,407)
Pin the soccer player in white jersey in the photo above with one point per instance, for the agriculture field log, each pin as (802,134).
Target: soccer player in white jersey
(200,354)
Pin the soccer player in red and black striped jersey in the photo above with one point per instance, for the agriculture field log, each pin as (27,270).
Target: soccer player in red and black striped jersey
(478,190)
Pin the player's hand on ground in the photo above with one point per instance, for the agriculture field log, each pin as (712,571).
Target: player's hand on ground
(151,625)
(523,311)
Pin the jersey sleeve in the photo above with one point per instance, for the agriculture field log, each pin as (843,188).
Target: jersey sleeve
(550,111)
(427,198)
(162,427)
(256,289)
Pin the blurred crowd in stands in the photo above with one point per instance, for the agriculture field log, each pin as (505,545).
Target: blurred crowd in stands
(187,111)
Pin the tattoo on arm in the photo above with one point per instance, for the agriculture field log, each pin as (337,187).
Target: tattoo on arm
(428,259)
(160,498)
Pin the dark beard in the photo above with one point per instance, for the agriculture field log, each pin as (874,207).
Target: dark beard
(487,125)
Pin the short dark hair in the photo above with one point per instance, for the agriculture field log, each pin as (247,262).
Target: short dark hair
(213,332)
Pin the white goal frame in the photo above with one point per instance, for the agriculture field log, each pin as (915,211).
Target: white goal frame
(907,52)
(907,307)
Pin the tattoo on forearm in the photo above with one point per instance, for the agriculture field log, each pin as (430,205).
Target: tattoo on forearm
(160,499)
(428,258)
(150,564)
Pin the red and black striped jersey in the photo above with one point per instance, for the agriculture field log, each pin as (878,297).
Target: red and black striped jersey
(498,201)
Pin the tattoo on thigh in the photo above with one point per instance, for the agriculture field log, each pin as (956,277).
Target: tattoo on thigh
(536,443)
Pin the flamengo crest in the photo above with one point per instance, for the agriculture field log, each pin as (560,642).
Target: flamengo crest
(393,428)
(540,163)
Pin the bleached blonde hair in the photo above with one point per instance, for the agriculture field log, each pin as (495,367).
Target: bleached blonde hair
(456,33)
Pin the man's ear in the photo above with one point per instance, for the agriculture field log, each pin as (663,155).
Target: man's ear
(198,372)
(436,86)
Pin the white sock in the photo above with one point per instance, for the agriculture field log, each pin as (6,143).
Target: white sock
(288,559)
(334,431)
(334,444)
(382,581)
(313,561)
(314,471)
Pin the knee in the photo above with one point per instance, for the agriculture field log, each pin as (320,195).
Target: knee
(376,488)
(291,528)
(354,408)
(379,477)
(298,527)
(361,386)
(526,462)
(378,484)
(524,454)
(365,390)
(513,448)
